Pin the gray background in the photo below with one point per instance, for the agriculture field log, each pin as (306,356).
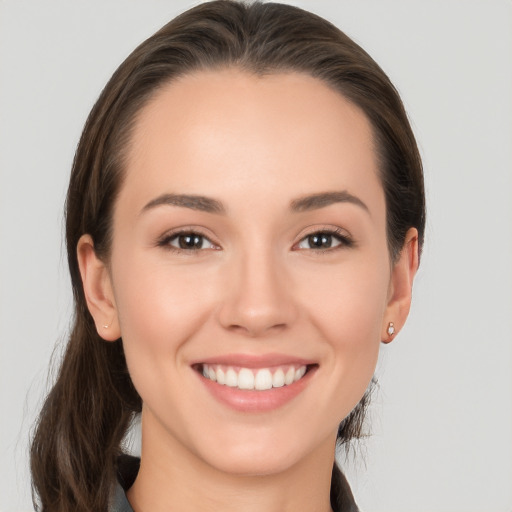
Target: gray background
(442,419)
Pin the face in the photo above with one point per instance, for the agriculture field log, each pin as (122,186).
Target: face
(249,245)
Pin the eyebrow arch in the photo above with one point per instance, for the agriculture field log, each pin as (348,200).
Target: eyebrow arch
(194,202)
(323,199)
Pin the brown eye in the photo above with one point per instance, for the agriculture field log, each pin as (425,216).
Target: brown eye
(190,242)
(324,240)
(320,241)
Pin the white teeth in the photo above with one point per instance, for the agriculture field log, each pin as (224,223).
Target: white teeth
(231,378)
(221,376)
(299,373)
(245,379)
(290,376)
(263,380)
(278,379)
(249,379)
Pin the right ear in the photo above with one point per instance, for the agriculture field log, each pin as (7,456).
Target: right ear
(98,290)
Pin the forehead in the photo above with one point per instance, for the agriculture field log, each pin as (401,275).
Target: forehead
(263,133)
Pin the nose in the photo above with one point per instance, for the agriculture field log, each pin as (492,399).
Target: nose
(258,298)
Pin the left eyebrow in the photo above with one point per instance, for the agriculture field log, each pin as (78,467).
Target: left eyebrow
(323,199)
(194,202)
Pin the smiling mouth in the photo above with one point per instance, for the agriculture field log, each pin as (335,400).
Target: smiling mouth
(253,379)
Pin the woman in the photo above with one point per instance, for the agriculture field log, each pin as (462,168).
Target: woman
(244,221)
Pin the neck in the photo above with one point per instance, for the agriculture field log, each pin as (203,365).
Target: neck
(172,478)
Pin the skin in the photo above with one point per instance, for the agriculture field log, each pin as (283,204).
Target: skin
(257,285)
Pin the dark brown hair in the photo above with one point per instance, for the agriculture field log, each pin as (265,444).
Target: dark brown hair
(89,409)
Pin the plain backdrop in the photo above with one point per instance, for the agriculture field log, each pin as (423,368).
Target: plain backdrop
(442,418)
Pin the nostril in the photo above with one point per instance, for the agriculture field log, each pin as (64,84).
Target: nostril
(255,329)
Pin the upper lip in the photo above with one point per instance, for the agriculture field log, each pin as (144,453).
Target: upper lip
(255,361)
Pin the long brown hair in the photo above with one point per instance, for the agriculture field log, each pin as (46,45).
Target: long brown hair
(89,409)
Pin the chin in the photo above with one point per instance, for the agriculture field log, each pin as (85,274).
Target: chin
(263,454)
(256,461)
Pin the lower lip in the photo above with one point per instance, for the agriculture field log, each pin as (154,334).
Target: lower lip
(256,401)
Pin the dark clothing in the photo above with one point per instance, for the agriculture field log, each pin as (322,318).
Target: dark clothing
(127,469)
(342,499)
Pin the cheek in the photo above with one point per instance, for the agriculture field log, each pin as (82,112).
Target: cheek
(348,304)
(159,307)
(348,311)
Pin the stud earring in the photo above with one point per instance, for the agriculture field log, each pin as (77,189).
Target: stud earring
(106,326)
(391,329)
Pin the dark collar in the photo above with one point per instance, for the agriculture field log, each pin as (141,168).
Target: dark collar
(127,469)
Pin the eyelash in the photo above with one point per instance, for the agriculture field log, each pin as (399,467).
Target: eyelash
(344,241)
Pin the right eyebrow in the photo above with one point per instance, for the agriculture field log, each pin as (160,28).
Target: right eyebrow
(194,202)
(323,199)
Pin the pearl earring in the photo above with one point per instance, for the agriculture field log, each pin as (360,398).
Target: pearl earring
(391,329)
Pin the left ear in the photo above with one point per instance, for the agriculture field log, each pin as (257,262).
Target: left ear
(400,287)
